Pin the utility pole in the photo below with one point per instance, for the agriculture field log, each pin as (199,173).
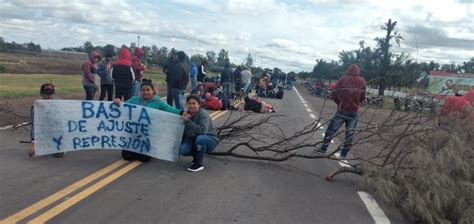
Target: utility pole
(138,43)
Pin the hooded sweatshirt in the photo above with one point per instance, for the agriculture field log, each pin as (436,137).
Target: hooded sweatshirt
(350,90)
(137,66)
(89,68)
(121,69)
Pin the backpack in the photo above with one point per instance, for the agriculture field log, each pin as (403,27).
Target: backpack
(279,94)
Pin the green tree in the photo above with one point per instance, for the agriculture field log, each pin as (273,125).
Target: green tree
(384,47)
(249,61)
(223,58)
(109,51)
(211,57)
(88,47)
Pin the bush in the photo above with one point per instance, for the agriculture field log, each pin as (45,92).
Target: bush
(434,183)
(3,68)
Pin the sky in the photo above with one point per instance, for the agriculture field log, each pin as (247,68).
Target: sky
(288,34)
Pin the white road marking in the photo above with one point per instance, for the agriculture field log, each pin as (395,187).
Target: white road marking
(306,105)
(309,110)
(11,126)
(377,214)
(303,101)
(312,116)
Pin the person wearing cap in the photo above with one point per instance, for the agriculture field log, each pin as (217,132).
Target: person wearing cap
(349,91)
(89,74)
(47,93)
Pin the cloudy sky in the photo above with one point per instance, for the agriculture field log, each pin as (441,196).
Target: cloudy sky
(289,34)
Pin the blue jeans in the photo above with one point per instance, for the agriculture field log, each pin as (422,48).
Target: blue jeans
(350,118)
(197,147)
(193,83)
(246,87)
(90,92)
(178,98)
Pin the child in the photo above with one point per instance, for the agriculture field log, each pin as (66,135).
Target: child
(147,98)
(47,93)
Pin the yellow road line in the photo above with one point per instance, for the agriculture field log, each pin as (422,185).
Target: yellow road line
(80,196)
(60,194)
(83,194)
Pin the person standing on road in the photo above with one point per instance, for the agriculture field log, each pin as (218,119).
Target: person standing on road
(201,77)
(106,82)
(179,78)
(172,60)
(123,74)
(47,93)
(199,136)
(89,75)
(147,98)
(194,72)
(348,93)
(246,77)
(227,79)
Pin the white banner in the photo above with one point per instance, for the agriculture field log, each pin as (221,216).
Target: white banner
(71,125)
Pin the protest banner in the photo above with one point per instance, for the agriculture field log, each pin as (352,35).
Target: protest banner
(71,125)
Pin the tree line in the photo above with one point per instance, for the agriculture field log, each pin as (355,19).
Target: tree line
(9,46)
(382,68)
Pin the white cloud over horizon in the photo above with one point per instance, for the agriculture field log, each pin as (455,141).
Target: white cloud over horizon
(287,34)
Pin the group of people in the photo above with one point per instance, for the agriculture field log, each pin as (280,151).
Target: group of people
(199,138)
(125,74)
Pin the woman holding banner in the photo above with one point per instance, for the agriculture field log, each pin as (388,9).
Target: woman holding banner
(147,98)
(199,135)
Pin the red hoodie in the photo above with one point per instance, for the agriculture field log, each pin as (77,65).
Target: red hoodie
(350,90)
(454,107)
(137,66)
(124,57)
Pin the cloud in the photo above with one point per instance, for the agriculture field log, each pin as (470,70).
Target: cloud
(426,37)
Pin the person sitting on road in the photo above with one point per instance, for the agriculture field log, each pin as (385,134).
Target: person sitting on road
(47,93)
(148,98)
(199,135)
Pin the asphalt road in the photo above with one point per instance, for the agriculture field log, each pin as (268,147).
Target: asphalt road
(229,190)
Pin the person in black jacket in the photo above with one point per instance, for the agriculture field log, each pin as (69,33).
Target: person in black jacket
(123,75)
(172,60)
(227,80)
(179,78)
(201,77)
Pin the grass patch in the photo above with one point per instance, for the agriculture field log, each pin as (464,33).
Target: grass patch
(22,85)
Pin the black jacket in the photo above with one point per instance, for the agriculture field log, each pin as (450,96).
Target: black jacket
(179,75)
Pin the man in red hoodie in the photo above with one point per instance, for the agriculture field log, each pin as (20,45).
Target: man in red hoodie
(123,74)
(349,92)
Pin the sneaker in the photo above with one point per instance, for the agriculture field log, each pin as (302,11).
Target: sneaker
(318,150)
(195,167)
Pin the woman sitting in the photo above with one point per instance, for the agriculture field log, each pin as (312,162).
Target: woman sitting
(199,135)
